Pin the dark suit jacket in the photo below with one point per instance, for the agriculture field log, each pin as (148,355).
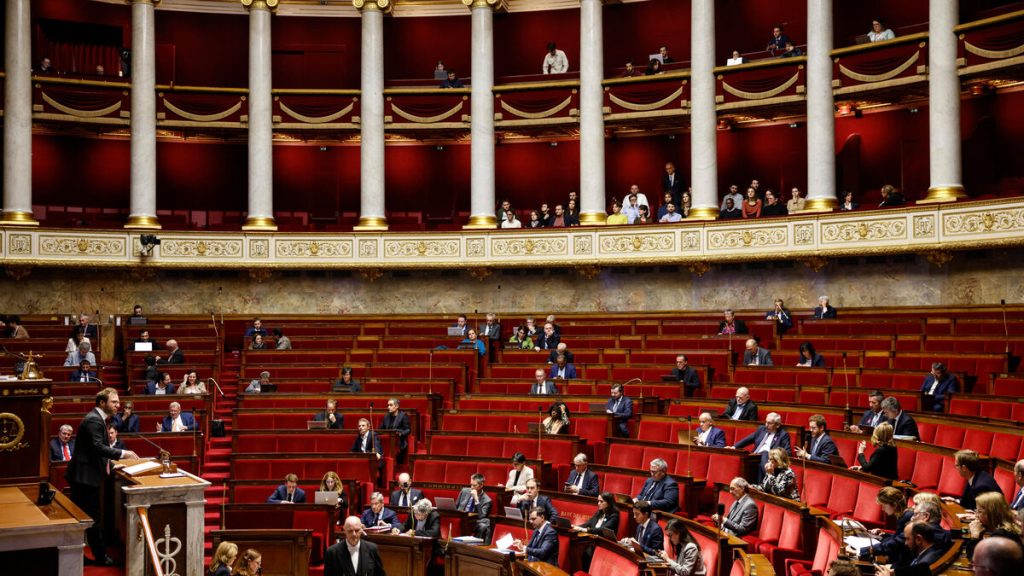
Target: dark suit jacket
(129,425)
(493,333)
(905,425)
(549,388)
(781,440)
(869,416)
(570,372)
(372,443)
(187,420)
(543,545)
(386,514)
(749,411)
(947,386)
(543,502)
(337,561)
(57,452)
(415,495)
(625,412)
(570,358)
(716,437)
(740,326)
(151,388)
(547,343)
(431,528)
(663,494)
(1018,499)
(176,357)
(764,357)
(687,376)
(829,312)
(322,417)
(983,482)
(590,484)
(820,451)
(882,462)
(281,495)
(77,375)
(483,509)
(893,545)
(611,522)
(88,460)
(783,320)
(400,424)
(675,187)
(653,539)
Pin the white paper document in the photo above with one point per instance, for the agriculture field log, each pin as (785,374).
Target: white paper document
(141,467)
(504,543)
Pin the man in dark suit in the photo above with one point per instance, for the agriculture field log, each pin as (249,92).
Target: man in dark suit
(660,490)
(997,555)
(88,330)
(543,544)
(176,420)
(903,423)
(174,354)
(63,445)
(873,416)
(424,522)
(398,421)
(1018,476)
(741,407)
(979,480)
(367,441)
(649,536)
(378,515)
(781,316)
(755,355)
(406,495)
(821,448)
(289,492)
(582,480)
(707,433)
(621,408)
(562,349)
(330,415)
(338,559)
(533,498)
(548,340)
(88,467)
(742,516)
(731,324)
(127,421)
(562,370)
(474,500)
(162,385)
(685,373)
(84,373)
(937,386)
(920,539)
(824,310)
(541,385)
(768,436)
(462,324)
(672,182)
(492,329)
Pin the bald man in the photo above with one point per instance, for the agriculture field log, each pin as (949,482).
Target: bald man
(354,555)
(998,556)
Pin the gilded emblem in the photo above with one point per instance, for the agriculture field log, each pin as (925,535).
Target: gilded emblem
(314,248)
(421,248)
(862,230)
(529,246)
(988,220)
(83,245)
(748,237)
(12,430)
(637,242)
(201,248)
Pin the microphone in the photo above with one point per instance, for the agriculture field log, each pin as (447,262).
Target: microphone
(95,379)
(164,454)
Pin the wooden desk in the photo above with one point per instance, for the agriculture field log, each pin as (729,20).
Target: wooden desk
(470,560)
(37,539)
(285,552)
(410,555)
(539,569)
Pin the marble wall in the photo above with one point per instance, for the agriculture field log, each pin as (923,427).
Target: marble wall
(971,278)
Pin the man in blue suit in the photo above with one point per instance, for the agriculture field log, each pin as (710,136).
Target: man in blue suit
(660,490)
(649,536)
(979,480)
(534,499)
(1018,476)
(176,420)
(707,433)
(562,370)
(543,544)
(289,492)
(937,386)
(378,515)
(821,447)
(582,480)
(621,408)
(162,385)
(770,435)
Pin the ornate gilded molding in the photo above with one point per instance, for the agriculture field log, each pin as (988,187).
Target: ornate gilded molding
(260,4)
(816,263)
(385,6)
(700,268)
(939,258)
(480,274)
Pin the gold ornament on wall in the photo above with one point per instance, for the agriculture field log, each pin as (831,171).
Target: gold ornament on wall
(939,258)
(480,274)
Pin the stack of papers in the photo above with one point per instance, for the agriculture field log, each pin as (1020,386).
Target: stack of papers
(468,540)
(504,544)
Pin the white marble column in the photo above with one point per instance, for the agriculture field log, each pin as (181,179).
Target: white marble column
(261,122)
(946,167)
(371,115)
(821,120)
(703,119)
(17,208)
(143,117)
(481,168)
(592,191)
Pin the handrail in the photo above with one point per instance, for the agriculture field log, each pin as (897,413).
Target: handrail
(908,39)
(1009,16)
(150,544)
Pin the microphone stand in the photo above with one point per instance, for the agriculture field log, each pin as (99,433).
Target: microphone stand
(846,378)
(689,445)
(1006,329)
(540,430)
(430,371)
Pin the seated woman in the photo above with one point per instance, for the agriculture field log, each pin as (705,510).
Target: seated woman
(653,67)
(682,552)
(993,517)
(883,459)
(779,478)
(751,205)
(472,342)
(848,204)
(605,518)
(191,384)
(685,204)
(535,221)
(249,564)
(257,343)
(894,505)
(347,383)
(223,559)
(520,340)
(557,421)
(331,482)
(809,358)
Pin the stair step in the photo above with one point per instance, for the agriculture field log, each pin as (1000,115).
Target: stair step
(216,476)
(217,466)
(212,517)
(218,452)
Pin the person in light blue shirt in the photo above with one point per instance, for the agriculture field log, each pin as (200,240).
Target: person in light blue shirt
(472,342)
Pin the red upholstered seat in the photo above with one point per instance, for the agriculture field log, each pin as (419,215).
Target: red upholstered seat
(428,471)
(654,432)
(866,510)
(626,456)
(1007,484)
(769,526)
(978,440)
(950,481)
(1006,446)
(950,436)
(927,468)
(995,410)
(617,483)
(843,498)
(815,487)
(825,552)
(607,563)
(789,543)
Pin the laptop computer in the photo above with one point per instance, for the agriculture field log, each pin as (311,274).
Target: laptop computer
(440,74)
(443,503)
(137,321)
(325,498)
(268,388)
(455,331)
(513,513)
(316,425)
(656,56)
(143,346)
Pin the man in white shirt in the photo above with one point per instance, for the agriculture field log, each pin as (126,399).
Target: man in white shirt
(734,193)
(555,61)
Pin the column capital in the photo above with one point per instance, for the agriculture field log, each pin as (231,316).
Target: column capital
(384,6)
(260,4)
(496,5)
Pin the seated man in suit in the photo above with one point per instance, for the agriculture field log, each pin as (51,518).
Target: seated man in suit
(937,386)
(533,498)
(176,420)
(562,370)
(731,324)
(406,495)
(378,515)
(84,373)
(770,435)
(289,492)
(354,556)
(685,373)
(755,355)
(621,407)
(873,416)
(63,446)
(562,349)
(903,423)
(174,354)
(144,338)
(979,480)
(707,433)
(998,555)
(781,316)
(548,340)
(367,440)
(424,522)
(582,480)
(661,491)
(474,500)
(543,544)
(824,310)
(649,536)
(256,329)
(161,386)
(541,385)
(127,420)
(741,407)
(742,516)
(1018,477)
(330,415)
(462,324)
(112,440)
(491,329)
(920,539)
(821,447)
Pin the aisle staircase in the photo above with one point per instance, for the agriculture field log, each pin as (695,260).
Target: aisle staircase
(216,468)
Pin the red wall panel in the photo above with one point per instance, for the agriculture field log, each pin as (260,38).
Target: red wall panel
(80,171)
(414,45)
(521,38)
(637,30)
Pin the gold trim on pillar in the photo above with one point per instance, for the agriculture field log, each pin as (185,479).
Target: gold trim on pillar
(260,4)
(938,194)
(142,223)
(705,213)
(153,2)
(496,5)
(264,223)
(593,218)
(484,222)
(369,223)
(17,218)
(820,205)
(384,6)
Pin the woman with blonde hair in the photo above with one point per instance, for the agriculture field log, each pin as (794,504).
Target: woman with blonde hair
(779,478)
(994,517)
(249,564)
(331,482)
(883,459)
(223,559)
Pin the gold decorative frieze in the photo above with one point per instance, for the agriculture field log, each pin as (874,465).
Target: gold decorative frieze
(582,245)
(983,222)
(625,243)
(182,248)
(81,246)
(421,248)
(313,248)
(865,231)
(803,234)
(367,248)
(259,248)
(475,248)
(756,238)
(540,246)
(924,226)
(20,244)
(689,241)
